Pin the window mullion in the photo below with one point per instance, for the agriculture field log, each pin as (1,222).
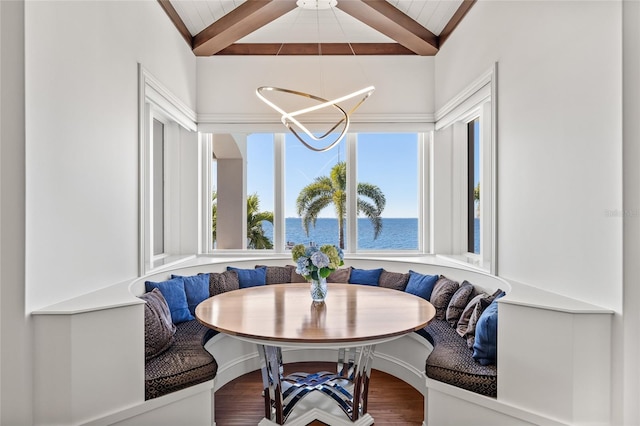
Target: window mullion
(487,194)
(206,243)
(279,191)
(424,193)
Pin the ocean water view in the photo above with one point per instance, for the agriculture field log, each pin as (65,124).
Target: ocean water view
(397,233)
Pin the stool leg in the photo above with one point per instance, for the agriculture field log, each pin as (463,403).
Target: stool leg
(272,372)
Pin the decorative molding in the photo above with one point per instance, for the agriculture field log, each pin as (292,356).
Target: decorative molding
(468,94)
(247,123)
(156,93)
(273,119)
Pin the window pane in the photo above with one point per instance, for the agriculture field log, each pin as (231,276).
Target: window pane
(322,195)
(260,181)
(473,187)
(158,187)
(388,176)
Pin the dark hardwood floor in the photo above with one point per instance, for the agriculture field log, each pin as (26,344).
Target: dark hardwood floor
(391,401)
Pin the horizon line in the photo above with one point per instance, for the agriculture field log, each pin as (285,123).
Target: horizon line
(322,217)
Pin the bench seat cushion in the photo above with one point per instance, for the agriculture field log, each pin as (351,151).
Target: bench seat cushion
(185,363)
(451,361)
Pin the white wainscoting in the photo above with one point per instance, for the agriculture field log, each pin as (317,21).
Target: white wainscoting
(554,357)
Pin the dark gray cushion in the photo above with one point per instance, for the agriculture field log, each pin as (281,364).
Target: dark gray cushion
(184,364)
(340,275)
(443,291)
(451,362)
(277,274)
(158,327)
(470,333)
(463,321)
(394,280)
(459,300)
(221,282)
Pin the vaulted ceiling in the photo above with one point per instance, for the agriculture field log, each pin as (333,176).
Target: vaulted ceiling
(281,27)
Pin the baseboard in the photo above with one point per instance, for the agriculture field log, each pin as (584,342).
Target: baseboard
(138,411)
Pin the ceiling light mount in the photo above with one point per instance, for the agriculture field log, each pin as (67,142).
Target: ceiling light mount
(316,4)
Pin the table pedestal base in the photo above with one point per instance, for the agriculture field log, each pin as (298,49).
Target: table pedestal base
(338,398)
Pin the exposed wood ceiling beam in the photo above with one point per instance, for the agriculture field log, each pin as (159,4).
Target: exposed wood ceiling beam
(177,21)
(312,49)
(455,19)
(241,21)
(387,19)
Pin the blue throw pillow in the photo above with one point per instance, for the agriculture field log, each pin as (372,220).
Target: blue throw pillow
(196,287)
(365,276)
(174,294)
(250,277)
(421,285)
(485,346)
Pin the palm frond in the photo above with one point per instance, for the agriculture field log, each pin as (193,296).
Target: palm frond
(324,190)
(374,193)
(372,213)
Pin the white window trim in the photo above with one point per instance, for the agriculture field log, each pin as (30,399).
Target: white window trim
(206,148)
(478,100)
(156,101)
(425,140)
(279,157)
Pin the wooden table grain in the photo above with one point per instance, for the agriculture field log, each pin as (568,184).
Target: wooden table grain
(285,314)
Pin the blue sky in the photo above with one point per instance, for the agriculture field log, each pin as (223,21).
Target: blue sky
(387,160)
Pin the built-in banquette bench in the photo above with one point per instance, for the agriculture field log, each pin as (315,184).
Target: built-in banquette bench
(91,367)
(175,340)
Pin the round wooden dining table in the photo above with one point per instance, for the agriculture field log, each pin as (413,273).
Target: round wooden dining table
(353,319)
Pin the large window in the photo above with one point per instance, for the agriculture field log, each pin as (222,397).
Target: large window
(361,195)
(463,186)
(168,150)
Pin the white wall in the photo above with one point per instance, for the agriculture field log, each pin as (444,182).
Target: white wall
(629,368)
(79,158)
(82,137)
(226,85)
(15,358)
(559,137)
(560,144)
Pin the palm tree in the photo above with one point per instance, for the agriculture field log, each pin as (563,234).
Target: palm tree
(255,234)
(326,190)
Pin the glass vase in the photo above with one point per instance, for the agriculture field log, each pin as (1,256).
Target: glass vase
(318,289)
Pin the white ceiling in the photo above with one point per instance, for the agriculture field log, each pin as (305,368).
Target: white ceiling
(311,26)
